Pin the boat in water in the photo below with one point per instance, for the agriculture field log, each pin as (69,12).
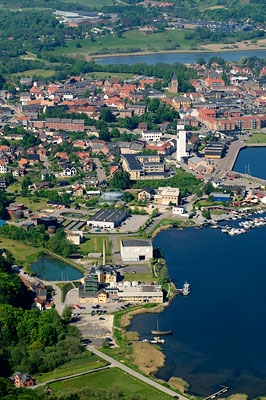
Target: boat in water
(186,289)
(160,333)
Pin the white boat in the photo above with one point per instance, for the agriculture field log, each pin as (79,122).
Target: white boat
(186,289)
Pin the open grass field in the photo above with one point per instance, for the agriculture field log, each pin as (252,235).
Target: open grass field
(23,253)
(106,75)
(46,73)
(133,40)
(32,205)
(257,138)
(87,362)
(94,244)
(141,277)
(94,4)
(114,380)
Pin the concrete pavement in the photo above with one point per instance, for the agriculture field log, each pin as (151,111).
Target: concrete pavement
(137,375)
(99,169)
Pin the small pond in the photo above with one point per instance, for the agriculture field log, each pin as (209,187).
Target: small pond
(52,269)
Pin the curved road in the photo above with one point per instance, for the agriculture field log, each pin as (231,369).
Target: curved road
(137,375)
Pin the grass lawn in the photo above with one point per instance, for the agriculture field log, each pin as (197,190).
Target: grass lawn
(172,221)
(141,277)
(15,186)
(94,244)
(46,73)
(64,288)
(114,380)
(105,75)
(257,138)
(91,361)
(23,253)
(34,206)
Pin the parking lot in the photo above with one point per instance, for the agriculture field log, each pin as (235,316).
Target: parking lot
(131,224)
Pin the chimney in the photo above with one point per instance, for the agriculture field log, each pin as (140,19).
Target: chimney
(104,251)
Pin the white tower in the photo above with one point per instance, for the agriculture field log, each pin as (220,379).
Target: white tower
(181,143)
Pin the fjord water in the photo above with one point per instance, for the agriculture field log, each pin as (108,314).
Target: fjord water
(251,161)
(52,269)
(184,58)
(220,329)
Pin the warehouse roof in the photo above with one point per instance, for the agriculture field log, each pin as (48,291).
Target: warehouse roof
(136,242)
(110,215)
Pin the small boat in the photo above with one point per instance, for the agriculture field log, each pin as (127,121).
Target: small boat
(160,333)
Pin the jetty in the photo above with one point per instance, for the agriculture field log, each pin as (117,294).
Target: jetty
(223,390)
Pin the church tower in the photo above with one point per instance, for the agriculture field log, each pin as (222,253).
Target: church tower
(173,85)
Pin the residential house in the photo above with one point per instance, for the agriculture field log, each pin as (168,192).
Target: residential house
(22,380)
(69,171)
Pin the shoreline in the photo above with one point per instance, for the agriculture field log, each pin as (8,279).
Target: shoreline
(180,51)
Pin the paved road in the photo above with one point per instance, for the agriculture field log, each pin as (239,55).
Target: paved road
(136,374)
(100,170)
(227,163)
(63,378)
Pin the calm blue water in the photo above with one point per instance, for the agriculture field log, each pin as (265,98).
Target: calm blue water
(184,58)
(2,222)
(252,161)
(220,329)
(51,269)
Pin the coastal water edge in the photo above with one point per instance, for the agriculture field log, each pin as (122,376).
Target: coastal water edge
(218,330)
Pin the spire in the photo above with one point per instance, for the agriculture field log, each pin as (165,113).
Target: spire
(174,78)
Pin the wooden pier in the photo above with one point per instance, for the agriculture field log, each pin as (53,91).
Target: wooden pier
(223,390)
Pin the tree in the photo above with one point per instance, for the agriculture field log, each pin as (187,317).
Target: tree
(107,115)
(120,180)
(66,315)
(163,275)
(208,188)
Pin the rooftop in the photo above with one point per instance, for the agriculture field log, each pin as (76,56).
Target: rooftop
(136,242)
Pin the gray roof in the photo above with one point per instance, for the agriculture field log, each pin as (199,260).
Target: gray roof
(110,215)
(136,242)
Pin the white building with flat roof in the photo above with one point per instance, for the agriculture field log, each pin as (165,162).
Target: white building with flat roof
(151,136)
(136,249)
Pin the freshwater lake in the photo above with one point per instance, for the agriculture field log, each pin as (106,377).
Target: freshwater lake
(251,161)
(219,330)
(52,269)
(184,58)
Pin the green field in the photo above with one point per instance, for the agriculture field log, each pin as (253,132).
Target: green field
(257,138)
(105,75)
(32,205)
(114,380)
(132,40)
(86,363)
(141,277)
(94,244)
(46,73)
(23,253)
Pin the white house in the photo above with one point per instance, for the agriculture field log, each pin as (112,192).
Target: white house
(69,171)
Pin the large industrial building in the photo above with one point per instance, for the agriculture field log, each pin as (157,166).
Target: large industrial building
(107,219)
(144,166)
(136,249)
(135,292)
